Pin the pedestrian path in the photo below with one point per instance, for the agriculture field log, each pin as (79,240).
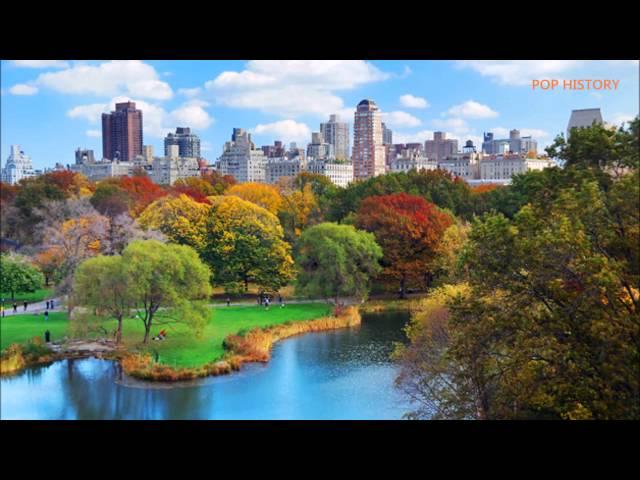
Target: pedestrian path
(36,307)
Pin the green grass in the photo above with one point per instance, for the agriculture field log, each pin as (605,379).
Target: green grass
(31,297)
(20,328)
(181,348)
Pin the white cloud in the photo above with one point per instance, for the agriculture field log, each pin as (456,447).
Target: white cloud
(618,119)
(400,119)
(23,89)
(193,115)
(190,92)
(41,63)
(519,72)
(404,137)
(472,109)
(456,124)
(285,130)
(91,113)
(94,133)
(410,101)
(291,88)
(117,77)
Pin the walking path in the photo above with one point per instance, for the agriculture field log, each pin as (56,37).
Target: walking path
(37,307)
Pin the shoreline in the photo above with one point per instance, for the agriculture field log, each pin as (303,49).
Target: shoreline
(253,346)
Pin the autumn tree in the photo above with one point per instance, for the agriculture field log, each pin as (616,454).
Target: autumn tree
(298,210)
(220,183)
(261,194)
(336,261)
(244,243)
(182,219)
(17,275)
(142,191)
(409,230)
(169,277)
(49,261)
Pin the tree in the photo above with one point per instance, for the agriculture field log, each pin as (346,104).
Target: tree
(336,261)
(142,191)
(261,194)
(170,277)
(182,219)
(244,243)
(219,182)
(17,275)
(409,230)
(103,284)
(48,261)
(299,209)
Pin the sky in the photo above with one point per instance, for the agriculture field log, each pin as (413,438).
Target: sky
(52,107)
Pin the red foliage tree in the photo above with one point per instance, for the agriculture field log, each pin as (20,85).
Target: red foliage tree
(190,191)
(142,192)
(409,229)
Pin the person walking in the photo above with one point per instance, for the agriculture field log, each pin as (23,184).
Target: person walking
(51,303)
(266,303)
(47,304)
(46,315)
(228,302)
(25,306)
(15,307)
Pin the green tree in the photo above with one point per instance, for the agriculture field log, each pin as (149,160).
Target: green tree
(17,275)
(103,284)
(169,277)
(245,243)
(337,260)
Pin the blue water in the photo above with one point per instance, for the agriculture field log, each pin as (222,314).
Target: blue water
(341,374)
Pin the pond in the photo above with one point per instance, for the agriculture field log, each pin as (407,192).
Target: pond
(340,374)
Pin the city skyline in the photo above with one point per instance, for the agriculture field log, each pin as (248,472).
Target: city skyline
(287,100)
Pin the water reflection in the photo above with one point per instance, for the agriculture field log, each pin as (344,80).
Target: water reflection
(341,374)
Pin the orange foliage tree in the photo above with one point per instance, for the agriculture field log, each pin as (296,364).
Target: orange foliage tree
(409,230)
(142,192)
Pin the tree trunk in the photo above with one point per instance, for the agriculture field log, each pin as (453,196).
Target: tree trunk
(147,329)
(119,330)
(246,284)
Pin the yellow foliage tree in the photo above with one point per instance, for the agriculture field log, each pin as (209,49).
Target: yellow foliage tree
(259,193)
(181,219)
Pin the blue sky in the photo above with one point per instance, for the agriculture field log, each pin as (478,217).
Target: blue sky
(52,107)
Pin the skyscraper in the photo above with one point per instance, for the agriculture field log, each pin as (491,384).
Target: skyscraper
(188,143)
(336,133)
(318,149)
(440,147)
(585,117)
(241,159)
(387,135)
(18,166)
(122,133)
(368,150)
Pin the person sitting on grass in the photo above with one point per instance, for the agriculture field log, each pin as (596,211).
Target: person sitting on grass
(161,336)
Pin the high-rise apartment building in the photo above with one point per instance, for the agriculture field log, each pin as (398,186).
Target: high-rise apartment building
(122,133)
(514,144)
(188,143)
(368,150)
(147,153)
(336,133)
(387,135)
(18,166)
(276,150)
(318,149)
(241,159)
(440,147)
(583,118)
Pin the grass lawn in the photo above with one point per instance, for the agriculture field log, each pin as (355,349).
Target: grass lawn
(181,348)
(31,297)
(20,328)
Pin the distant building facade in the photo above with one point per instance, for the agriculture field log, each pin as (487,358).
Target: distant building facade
(584,118)
(276,168)
(440,147)
(464,165)
(340,173)
(500,168)
(241,159)
(84,156)
(387,135)
(122,132)
(188,143)
(276,150)
(318,149)
(514,144)
(17,166)
(336,133)
(369,158)
(104,169)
